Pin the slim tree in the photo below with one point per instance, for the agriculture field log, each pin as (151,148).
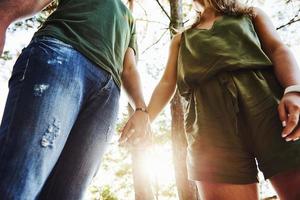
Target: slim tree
(186,189)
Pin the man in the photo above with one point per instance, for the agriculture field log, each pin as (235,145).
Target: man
(63,96)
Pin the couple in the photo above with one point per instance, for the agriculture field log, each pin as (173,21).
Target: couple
(241,83)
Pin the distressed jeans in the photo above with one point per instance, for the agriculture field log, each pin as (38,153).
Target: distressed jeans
(57,122)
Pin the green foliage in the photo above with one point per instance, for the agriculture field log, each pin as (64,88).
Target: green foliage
(106,194)
(6,56)
(124,170)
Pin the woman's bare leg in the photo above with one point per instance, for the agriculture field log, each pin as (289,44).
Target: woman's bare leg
(287,185)
(223,191)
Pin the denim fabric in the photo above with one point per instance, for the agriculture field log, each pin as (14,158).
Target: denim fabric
(57,123)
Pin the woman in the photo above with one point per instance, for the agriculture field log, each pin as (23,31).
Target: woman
(233,69)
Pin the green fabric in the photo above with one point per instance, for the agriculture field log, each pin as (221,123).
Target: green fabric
(233,120)
(102,30)
(229,45)
(232,96)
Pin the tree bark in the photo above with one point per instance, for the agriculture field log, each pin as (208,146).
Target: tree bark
(186,189)
(141,180)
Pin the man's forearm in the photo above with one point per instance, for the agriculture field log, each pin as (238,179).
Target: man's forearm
(10,10)
(132,85)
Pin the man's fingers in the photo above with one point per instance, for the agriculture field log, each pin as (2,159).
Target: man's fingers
(135,132)
(136,140)
(141,139)
(126,133)
(149,133)
(138,137)
(127,138)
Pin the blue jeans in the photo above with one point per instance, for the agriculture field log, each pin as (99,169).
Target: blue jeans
(57,123)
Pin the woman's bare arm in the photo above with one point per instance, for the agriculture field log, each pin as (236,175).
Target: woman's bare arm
(286,70)
(285,65)
(167,84)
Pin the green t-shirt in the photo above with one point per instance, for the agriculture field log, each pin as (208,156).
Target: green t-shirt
(101,30)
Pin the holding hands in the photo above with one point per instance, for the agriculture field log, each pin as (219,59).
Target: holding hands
(137,130)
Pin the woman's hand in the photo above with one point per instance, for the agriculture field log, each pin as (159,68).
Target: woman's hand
(286,70)
(289,111)
(137,130)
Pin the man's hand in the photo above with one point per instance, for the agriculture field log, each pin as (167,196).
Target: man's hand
(11,10)
(138,126)
(137,130)
(4,23)
(2,39)
(289,110)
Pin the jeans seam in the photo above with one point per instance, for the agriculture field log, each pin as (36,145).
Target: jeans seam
(27,65)
(101,87)
(106,84)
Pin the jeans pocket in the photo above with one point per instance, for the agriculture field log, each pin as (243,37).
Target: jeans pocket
(21,66)
(106,86)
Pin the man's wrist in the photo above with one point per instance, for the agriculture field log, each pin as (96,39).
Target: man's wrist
(141,109)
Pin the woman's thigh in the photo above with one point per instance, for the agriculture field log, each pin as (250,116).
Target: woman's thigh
(225,191)
(287,184)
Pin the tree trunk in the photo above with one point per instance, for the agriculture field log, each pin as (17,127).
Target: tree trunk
(141,180)
(186,189)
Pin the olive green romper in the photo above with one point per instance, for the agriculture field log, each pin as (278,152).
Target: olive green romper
(232,94)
